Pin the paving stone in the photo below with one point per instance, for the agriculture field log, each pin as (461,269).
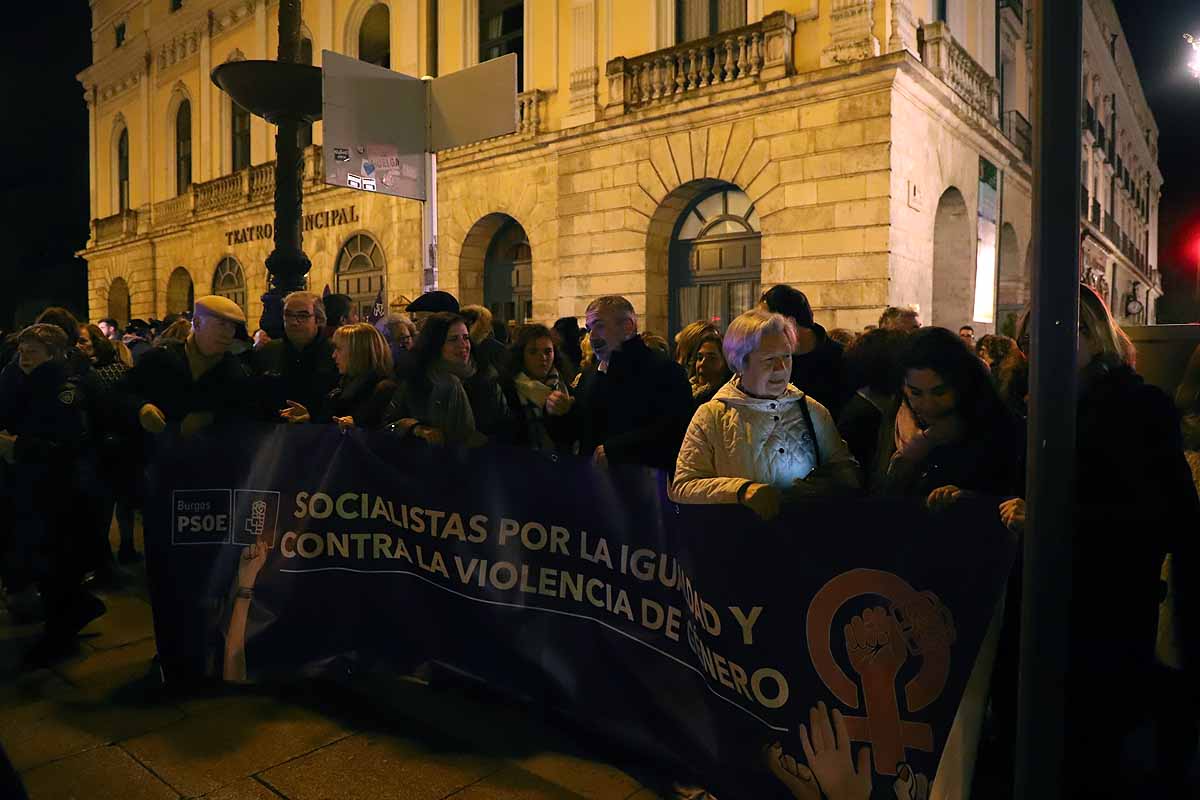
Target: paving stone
(105,773)
(370,766)
(110,671)
(201,754)
(514,783)
(590,779)
(244,789)
(127,620)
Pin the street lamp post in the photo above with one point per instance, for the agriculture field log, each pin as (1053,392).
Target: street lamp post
(287,94)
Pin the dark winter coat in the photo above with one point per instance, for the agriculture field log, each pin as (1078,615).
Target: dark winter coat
(638,410)
(164,378)
(285,372)
(820,373)
(365,398)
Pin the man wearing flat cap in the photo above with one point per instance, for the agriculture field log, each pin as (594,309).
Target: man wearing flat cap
(194,382)
(431,303)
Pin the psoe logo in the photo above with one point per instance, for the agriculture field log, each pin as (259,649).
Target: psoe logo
(879,639)
(255,517)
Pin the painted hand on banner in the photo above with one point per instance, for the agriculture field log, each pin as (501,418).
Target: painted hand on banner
(910,785)
(875,646)
(295,413)
(828,753)
(798,778)
(1012,514)
(251,563)
(942,498)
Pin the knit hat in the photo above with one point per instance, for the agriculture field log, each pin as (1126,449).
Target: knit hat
(220,307)
(435,301)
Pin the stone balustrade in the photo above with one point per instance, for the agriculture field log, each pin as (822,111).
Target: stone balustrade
(752,53)
(529,112)
(177,209)
(118,225)
(262,182)
(950,62)
(227,191)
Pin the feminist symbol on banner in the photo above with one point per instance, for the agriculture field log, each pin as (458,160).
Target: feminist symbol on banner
(878,643)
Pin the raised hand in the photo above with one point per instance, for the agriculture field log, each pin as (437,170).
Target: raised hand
(558,403)
(875,646)
(250,564)
(295,413)
(796,777)
(910,785)
(828,755)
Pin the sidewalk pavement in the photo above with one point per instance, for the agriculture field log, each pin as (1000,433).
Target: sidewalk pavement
(98,726)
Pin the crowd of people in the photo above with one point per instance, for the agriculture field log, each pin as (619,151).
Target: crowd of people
(769,413)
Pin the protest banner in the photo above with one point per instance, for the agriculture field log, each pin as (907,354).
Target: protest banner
(696,634)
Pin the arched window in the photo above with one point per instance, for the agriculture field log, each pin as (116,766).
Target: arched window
(360,270)
(229,281)
(502,31)
(183,147)
(181,294)
(306,57)
(375,38)
(508,275)
(123,170)
(119,305)
(240,131)
(716,259)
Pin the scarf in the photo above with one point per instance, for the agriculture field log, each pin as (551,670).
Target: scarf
(197,361)
(907,427)
(442,368)
(535,392)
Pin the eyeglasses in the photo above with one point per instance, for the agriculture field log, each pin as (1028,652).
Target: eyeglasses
(302,316)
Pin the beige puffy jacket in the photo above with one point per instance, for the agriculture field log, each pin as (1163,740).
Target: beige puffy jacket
(735,439)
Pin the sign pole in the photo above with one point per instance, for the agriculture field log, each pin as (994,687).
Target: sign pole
(429,226)
(1043,725)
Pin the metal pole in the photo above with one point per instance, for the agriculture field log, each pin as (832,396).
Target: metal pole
(1042,725)
(287,263)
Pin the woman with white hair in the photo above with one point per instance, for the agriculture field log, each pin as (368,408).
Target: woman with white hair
(761,441)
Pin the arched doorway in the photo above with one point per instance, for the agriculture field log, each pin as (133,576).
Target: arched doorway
(1011,299)
(953,263)
(508,275)
(119,305)
(181,295)
(360,270)
(715,269)
(230,281)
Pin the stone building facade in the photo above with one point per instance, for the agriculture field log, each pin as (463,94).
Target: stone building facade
(684,153)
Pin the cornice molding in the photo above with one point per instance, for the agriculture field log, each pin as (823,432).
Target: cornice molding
(227,16)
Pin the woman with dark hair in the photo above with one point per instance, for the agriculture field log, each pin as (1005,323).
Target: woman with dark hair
(1135,501)
(537,393)
(432,403)
(707,368)
(948,431)
(872,363)
(1010,370)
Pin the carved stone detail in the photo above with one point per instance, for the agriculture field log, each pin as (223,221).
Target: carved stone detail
(904,28)
(852,36)
(232,15)
(183,45)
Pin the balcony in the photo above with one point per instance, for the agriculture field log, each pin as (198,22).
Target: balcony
(1096,213)
(1111,230)
(1017,7)
(948,60)
(117,226)
(529,112)
(1089,118)
(1020,132)
(740,57)
(177,209)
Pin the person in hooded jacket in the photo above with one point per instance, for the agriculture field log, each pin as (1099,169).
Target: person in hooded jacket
(761,441)
(817,363)
(43,431)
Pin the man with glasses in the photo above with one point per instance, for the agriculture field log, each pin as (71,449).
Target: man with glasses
(298,367)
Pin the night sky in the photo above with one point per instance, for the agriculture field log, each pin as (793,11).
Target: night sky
(44,169)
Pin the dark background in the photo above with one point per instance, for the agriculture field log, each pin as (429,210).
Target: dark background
(44,152)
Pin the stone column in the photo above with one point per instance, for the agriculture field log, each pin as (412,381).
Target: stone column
(89,97)
(852,36)
(904,28)
(147,143)
(615,72)
(204,171)
(585,75)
